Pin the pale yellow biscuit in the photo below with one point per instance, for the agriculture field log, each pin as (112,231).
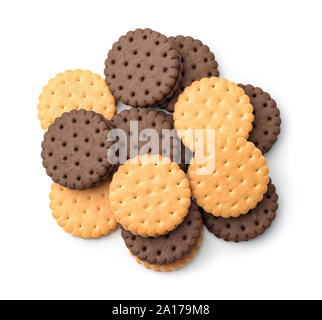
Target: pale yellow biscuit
(74,89)
(83,213)
(213,103)
(150,198)
(176,265)
(238,181)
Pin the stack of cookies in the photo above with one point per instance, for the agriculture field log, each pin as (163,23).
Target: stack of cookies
(188,151)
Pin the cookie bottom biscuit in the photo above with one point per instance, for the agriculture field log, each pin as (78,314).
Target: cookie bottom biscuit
(83,213)
(267,121)
(173,266)
(245,227)
(198,62)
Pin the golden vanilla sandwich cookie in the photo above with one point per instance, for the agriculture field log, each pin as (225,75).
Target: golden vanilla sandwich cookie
(83,213)
(74,89)
(213,103)
(230,181)
(150,195)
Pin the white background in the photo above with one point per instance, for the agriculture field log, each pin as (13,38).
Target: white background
(273,44)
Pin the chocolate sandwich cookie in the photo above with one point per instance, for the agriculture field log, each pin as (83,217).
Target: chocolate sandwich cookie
(176,265)
(186,154)
(245,227)
(169,248)
(74,149)
(150,119)
(142,68)
(267,121)
(198,62)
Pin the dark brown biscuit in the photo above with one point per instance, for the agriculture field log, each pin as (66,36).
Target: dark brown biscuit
(174,89)
(248,226)
(168,248)
(198,62)
(150,119)
(74,149)
(142,68)
(267,121)
(186,154)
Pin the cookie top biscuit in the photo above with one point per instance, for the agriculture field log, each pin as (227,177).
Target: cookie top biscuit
(83,213)
(213,103)
(74,89)
(237,181)
(148,196)
(150,119)
(248,226)
(74,149)
(267,122)
(198,62)
(168,248)
(142,68)
(177,264)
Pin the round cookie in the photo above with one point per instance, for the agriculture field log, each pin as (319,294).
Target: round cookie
(213,103)
(148,196)
(248,226)
(174,89)
(74,89)
(150,119)
(74,149)
(267,121)
(236,184)
(198,62)
(171,247)
(83,213)
(176,265)
(142,68)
